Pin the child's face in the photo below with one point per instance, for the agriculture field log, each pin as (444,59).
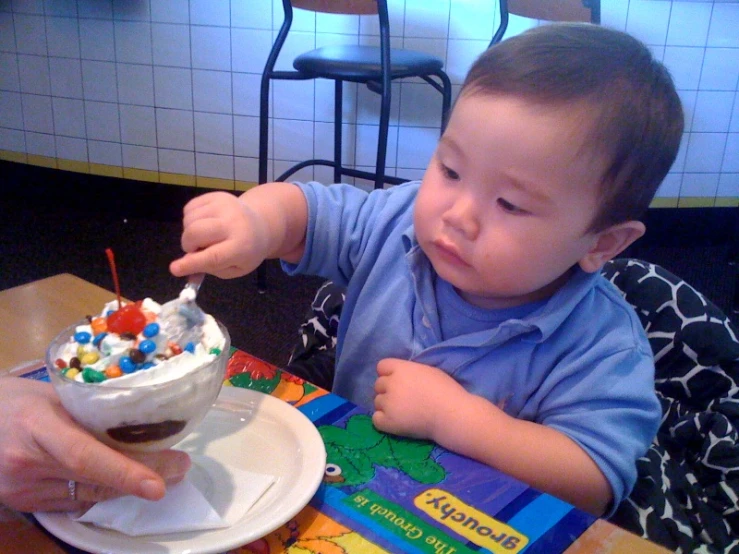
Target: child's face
(505,205)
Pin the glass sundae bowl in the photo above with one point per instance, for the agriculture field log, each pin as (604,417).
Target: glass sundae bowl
(150,404)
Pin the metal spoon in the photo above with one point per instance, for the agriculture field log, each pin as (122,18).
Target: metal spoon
(188,308)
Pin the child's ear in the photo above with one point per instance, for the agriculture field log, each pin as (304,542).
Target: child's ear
(610,243)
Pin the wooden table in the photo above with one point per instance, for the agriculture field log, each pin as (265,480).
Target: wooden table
(356,518)
(32,314)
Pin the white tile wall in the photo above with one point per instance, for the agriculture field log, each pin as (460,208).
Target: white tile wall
(176,161)
(172,86)
(170,11)
(69,117)
(140,157)
(135,84)
(108,153)
(171,44)
(11,111)
(69,148)
(175,129)
(102,121)
(40,144)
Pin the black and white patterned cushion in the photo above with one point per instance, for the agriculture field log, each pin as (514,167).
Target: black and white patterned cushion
(687,494)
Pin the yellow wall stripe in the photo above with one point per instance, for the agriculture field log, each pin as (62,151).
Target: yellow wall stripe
(43,161)
(18,157)
(177,179)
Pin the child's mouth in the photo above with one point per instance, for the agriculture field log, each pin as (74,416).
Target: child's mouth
(449,253)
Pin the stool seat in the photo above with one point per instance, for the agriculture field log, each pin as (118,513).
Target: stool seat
(360,63)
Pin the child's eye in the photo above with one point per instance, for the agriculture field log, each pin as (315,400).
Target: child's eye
(510,208)
(449,173)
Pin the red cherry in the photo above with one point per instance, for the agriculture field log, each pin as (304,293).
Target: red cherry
(128,319)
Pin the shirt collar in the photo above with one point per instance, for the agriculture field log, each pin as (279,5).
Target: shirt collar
(545,320)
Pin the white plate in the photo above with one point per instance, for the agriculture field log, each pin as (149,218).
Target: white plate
(246,429)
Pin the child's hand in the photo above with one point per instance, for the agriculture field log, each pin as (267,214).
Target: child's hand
(412,399)
(221,236)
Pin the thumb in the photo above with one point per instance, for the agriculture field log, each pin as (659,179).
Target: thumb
(211,260)
(181,266)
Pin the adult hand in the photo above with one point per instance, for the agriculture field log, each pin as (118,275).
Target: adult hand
(413,399)
(222,236)
(43,449)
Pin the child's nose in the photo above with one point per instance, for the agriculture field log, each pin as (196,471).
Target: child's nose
(462,215)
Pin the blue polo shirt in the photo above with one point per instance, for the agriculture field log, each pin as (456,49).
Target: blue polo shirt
(579,362)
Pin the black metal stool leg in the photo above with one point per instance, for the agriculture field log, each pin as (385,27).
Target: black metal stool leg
(263,160)
(385,100)
(338,117)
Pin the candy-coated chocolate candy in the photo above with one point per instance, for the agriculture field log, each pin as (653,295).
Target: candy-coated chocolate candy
(90,375)
(151,330)
(99,325)
(215,351)
(113,371)
(71,372)
(61,364)
(98,339)
(81,351)
(137,356)
(75,362)
(89,358)
(82,337)
(174,347)
(126,364)
(190,347)
(147,365)
(129,318)
(147,346)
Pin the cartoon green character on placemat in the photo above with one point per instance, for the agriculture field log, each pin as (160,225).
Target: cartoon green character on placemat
(353,452)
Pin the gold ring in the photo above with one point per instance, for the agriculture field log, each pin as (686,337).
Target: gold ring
(72,489)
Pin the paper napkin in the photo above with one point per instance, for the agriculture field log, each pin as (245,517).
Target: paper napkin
(183,508)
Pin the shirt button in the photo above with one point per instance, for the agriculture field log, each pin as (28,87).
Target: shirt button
(426,322)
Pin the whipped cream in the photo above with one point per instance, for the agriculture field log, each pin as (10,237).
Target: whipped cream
(168,358)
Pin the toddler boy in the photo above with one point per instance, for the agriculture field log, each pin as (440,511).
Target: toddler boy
(475,314)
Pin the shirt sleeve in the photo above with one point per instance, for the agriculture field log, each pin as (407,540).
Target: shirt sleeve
(610,409)
(348,226)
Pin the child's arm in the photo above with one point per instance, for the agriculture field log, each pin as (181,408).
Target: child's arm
(420,401)
(229,236)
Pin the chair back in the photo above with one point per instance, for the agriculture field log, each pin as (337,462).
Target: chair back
(553,10)
(356,7)
(585,11)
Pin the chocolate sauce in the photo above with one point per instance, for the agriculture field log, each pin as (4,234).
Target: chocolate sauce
(146,432)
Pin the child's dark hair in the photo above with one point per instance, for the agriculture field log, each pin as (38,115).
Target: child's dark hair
(637,119)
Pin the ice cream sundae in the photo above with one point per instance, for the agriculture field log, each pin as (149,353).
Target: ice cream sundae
(140,376)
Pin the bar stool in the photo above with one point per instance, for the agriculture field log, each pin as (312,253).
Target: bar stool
(375,66)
